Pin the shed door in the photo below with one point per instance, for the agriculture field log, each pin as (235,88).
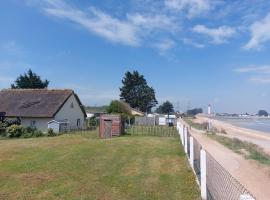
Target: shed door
(107,129)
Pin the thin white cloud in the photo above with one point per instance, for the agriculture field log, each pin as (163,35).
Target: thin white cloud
(152,22)
(219,35)
(193,7)
(99,23)
(192,43)
(131,30)
(260,33)
(148,21)
(259,74)
(260,80)
(265,69)
(164,45)
(12,48)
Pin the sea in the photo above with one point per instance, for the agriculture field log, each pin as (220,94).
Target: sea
(259,124)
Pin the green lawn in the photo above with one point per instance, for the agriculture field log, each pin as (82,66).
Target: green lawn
(84,167)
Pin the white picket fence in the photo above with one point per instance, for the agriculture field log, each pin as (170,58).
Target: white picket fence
(228,188)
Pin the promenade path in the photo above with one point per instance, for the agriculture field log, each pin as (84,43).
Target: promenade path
(255,177)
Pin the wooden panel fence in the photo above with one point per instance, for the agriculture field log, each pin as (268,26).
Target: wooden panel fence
(161,131)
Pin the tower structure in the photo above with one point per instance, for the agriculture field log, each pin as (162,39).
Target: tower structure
(209,110)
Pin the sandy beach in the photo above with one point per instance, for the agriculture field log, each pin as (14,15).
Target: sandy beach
(257,137)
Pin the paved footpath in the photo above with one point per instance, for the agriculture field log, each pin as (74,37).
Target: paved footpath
(255,177)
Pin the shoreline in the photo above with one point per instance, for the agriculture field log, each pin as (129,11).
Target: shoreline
(257,137)
(257,124)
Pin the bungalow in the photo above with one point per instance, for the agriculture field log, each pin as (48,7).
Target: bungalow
(39,107)
(133,111)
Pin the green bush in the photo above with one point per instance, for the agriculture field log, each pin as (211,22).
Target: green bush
(3,132)
(14,131)
(30,132)
(37,133)
(93,122)
(2,129)
(20,131)
(51,133)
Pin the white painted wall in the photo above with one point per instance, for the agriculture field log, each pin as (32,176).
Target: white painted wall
(162,121)
(71,114)
(54,126)
(41,123)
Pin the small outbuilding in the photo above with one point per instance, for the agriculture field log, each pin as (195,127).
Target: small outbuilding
(110,125)
(58,126)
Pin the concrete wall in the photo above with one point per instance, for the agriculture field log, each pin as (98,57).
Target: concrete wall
(72,114)
(40,123)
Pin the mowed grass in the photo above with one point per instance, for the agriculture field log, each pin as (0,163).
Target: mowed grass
(84,167)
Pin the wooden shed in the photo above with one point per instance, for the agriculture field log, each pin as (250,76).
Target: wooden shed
(110,125)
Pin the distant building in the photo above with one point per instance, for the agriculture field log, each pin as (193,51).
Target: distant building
(133,111)
(166,120)
(136,112)
(89,115)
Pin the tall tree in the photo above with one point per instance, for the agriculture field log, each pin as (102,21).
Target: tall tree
(118,107)
(137,93)
(263,113)
(194,111)
(165,108)
(29,80)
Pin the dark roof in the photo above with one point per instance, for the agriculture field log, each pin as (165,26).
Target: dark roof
(34,102)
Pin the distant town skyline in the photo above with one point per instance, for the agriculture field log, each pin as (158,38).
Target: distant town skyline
(193,53)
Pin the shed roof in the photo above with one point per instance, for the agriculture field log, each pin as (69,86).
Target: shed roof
(34,102)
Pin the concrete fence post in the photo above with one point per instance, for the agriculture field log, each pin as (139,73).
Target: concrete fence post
(203,174)
(191,151)
(179,132)
(183,135)
(177,125)
(186,139)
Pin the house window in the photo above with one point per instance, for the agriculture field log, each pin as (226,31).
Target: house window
(33,123)
(78,122)
(71,105)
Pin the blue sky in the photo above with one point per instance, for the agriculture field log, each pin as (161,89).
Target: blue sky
(193,52)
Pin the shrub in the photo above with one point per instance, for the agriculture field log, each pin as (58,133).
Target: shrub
(2,129)
(3,132)
(37,133)
(15,131)
(93,122)
(223,131)
(30,132)
(51,133)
